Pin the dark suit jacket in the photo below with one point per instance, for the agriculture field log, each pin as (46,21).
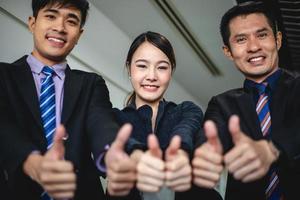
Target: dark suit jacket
(285,119)
(87,115)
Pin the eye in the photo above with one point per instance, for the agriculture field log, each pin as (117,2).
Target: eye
(163,67)
(262,35)
(50,17)
(241,40)
(72,22)
(142,66)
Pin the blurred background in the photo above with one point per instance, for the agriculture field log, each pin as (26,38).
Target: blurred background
(192,26)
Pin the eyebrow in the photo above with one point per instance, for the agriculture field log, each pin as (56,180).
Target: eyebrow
(262,30)
(161,61)
(257,31)
(70,15)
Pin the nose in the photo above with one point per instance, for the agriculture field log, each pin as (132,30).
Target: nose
(151,74)
(59,26)
(253,45)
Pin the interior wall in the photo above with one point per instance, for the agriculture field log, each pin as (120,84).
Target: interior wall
(102,49)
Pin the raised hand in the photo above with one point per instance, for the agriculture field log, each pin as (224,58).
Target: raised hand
(207,162)
(150,168)
(121,169)
(57,175)
(51,171)
(178,169)
(248,160)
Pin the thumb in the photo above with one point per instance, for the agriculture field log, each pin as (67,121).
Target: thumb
(211,134)
(122,137)
(173,147)
(234,129)
(153,146)
(57,151)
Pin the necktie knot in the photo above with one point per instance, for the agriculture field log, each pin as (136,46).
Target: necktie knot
(261,87)
(48,71)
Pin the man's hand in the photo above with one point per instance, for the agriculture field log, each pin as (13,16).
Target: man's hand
(248,160)
(151,167)
(207,162)
(178,169)
(51,171)
(121,169)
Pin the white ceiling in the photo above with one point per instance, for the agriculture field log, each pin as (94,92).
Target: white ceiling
(203,18)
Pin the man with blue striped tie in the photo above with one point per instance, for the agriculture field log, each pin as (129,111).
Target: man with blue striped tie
(43,159)
(258,125)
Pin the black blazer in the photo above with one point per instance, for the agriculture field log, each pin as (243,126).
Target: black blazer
(87,115)
(285,119)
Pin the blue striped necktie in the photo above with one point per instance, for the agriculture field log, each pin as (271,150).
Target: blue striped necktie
(272,191)
(47,108)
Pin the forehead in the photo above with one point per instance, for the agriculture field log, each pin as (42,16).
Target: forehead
(248,23)
(60,8)
(146,49)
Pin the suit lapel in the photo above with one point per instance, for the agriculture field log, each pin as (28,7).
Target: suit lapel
(25,84)
(72,88)
(279,102)
(248,114)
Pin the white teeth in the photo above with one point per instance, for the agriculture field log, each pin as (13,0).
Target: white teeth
(149,86)
(256,59)
(56,40)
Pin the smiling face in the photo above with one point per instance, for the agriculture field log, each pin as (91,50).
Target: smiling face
(150,72)
(253,47)
(56,30)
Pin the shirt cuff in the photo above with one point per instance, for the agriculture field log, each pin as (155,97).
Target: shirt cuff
(100,164)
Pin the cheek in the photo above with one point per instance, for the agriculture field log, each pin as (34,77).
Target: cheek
(165,79)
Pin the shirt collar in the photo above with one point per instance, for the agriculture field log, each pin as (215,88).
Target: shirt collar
(271,80)
(36,66)
(132,104)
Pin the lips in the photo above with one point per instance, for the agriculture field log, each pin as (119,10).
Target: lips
(56,41)
(150,87)
(256,60)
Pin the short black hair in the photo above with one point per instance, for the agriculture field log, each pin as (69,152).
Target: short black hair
(81,5)
(245,8)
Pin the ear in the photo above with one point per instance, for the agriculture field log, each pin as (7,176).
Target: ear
(227,52)
(31,23)
(278,40)
(128,69)
(79,35)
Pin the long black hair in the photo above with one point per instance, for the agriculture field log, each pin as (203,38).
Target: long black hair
(156,39)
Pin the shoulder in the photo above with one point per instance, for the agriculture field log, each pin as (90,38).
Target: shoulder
(87,78)
(229,94)
(20,62)
(85,74)
(183,107)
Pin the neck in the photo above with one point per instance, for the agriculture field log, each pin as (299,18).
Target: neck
(47,61)
(261,78)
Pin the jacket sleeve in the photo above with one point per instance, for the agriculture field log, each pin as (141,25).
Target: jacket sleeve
(216,113)
(132,142)
(102,126)
(189,125)
(15,146)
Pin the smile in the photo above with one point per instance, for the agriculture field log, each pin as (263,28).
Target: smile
(56,40)
(256,60)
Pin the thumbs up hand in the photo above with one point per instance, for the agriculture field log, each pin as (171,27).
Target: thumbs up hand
(150,168)
(248,160)
(51,171)
(178,169)
(121,169)
(207,162)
